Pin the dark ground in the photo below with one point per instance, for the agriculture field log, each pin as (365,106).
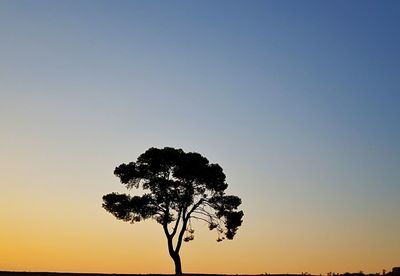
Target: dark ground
(394,272)
(12,273)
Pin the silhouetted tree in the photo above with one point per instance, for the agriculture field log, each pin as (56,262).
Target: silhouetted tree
(179,187)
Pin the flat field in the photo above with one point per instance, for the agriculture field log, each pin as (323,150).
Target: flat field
(13,273)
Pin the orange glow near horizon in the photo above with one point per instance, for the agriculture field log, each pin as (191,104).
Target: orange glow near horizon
(297,101)
(52,222)
(73,242)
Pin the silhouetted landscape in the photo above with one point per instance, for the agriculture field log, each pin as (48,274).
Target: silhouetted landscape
(395,272)
(181,187)
(199,138)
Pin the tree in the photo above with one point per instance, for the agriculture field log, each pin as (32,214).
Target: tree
(178,188)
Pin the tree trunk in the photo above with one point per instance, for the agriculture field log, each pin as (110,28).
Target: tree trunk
(178,265)
(175,256)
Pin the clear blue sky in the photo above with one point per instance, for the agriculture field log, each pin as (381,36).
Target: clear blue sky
(298,101)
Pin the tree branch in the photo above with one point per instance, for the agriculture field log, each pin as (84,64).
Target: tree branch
(204,213)
(180,237)
(194,208)
(199,218)
(166,230)
(185,218)
(177,223)
(165,221)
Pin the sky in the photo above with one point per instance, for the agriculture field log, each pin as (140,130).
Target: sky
(298,101)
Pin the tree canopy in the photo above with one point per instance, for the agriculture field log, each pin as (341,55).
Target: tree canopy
(178,187)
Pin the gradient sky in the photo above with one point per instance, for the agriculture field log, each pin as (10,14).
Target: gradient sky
(298,101)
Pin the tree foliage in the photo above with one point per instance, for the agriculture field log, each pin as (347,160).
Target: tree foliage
(178,187)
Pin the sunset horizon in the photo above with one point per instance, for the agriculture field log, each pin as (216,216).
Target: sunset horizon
(268,129)
(394,271)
